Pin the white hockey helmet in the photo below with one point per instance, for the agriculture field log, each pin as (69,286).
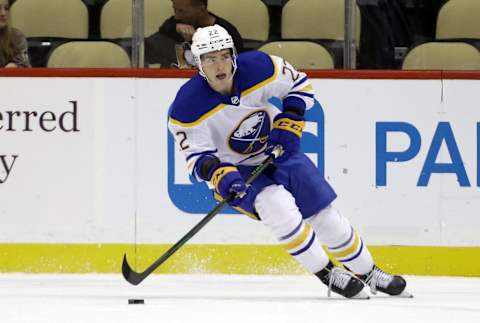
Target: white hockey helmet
(211,39)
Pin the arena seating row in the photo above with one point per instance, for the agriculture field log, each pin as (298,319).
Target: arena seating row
(302,54)
(311,32)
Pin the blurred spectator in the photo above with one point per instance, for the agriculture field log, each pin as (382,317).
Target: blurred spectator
(390,27)
(170,46)
(13,44)
(385,28)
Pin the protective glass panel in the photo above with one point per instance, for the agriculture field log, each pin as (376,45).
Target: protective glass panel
(392,29)
(360,34)
(70,33)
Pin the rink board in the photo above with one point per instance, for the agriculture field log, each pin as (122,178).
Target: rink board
(224,259)
(89,172)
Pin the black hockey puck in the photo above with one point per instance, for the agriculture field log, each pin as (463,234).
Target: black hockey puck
(136,301)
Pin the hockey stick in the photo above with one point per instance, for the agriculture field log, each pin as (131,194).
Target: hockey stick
(136,278)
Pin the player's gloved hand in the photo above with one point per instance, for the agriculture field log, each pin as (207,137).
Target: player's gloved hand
(287,132)
(227,180)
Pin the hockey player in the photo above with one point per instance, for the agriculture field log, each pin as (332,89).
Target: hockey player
(224,124)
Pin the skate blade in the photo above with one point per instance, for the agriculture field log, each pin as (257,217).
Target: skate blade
(361,295)
(404,294)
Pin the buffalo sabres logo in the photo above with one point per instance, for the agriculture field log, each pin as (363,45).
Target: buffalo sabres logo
(251,134)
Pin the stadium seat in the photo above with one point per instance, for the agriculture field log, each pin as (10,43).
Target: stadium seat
(51,18)
(48,23)
(250,17)
(459,19)
(442,56)
(301,54)
(116,17)
(320,19)
(75,54)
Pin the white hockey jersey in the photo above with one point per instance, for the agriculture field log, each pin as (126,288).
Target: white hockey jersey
(235,128)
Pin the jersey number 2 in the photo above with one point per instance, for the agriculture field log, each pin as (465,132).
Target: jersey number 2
(182,140)
(287,67)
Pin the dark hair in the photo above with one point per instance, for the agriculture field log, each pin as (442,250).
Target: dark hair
(200,2)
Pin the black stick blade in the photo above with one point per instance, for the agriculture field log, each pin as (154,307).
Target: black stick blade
(129,274)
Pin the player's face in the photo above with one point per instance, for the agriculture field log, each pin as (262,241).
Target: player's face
(218,66)
(4,13)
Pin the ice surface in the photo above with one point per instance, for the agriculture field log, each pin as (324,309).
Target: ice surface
(226,298)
